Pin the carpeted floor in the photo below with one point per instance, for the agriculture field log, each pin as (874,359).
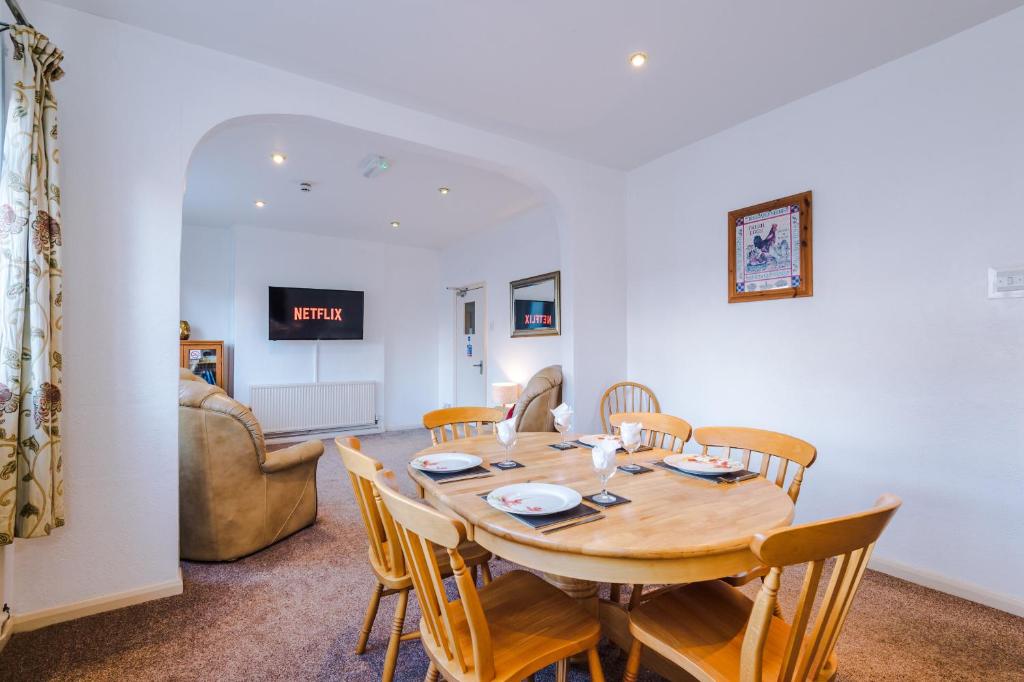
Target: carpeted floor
(292,612)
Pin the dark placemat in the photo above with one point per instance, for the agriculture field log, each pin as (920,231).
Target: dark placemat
(568,445)
(578,512)
(619,499)
(444,476)
(512,464)
(642,448)
(641,469)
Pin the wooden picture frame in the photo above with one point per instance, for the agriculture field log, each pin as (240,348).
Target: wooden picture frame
(536,317)
(770,250)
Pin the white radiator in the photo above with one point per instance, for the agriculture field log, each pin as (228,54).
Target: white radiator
(284,408)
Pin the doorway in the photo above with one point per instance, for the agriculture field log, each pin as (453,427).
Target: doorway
(470,349)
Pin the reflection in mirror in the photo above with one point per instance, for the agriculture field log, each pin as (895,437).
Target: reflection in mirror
(535,305)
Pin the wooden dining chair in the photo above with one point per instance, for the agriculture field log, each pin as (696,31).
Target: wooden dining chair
(386,559)
(659,431)
(453,423)
(506,630)
(715,632)
(626,396)
(776,451)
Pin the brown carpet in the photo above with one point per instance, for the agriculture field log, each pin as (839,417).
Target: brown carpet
(292,612)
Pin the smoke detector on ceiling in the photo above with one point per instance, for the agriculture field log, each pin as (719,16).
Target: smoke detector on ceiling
(374,165)
(306,186)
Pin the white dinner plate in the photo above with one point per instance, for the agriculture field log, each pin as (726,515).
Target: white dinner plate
(446,462)
(592,441)
(705,465)
(534,499)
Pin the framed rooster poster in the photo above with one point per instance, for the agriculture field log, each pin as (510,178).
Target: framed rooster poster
(770,250)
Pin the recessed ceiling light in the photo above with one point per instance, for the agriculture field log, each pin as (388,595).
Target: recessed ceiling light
(395,223)
(278,158)
(638,59)
(260,203)
(443,190)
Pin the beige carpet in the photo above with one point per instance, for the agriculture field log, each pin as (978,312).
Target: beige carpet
(292,612)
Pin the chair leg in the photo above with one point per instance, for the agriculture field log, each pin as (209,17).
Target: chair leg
(432,673)
(391,656)
(473,570)
(562,671)
(485,570)
(594,663)
(371,614)
(633,662)
(634,597)
(614,592)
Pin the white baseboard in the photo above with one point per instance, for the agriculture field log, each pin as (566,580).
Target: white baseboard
(957,588)
(33,620)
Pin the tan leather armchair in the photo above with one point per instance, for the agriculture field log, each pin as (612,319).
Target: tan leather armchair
(235,498)
(542,394)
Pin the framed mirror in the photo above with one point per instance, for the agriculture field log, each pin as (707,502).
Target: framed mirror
(536,306)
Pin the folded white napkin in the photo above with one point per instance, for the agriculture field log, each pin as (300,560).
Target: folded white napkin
(563,414)
(630,432)
(506,431)
(604,453)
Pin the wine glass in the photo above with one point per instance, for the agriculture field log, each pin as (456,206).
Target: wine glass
(630,435)
(508,437)
(562,425)
(605,465)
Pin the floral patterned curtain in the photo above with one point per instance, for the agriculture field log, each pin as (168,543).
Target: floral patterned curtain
(31,320)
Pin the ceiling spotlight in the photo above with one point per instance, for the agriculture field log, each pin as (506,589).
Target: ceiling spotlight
(443,190)
(395,223)
(278,158)
(637,59)
(260,203)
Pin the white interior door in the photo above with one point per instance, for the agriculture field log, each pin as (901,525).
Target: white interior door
(470,348)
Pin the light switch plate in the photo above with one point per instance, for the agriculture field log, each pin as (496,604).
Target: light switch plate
(1006,282)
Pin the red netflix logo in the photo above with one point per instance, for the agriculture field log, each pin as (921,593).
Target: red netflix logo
(333,314)
(537,319)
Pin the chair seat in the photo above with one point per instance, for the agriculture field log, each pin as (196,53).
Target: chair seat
(741,579)
(472,553)
(532,624)
(700,627)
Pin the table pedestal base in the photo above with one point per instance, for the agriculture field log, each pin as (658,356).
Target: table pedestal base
(614,625)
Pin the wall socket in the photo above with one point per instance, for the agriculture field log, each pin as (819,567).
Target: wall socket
(1006,282)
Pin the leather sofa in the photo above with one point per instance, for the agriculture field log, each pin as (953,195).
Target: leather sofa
(236,498)
(542,394)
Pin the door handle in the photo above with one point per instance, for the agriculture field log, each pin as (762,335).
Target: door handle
(480,365)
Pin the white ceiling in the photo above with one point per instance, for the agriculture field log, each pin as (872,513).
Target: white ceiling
(231,168)
(555,72)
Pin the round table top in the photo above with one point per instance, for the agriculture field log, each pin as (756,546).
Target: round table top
(671,516)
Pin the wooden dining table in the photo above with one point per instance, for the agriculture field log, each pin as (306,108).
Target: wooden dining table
(675,529)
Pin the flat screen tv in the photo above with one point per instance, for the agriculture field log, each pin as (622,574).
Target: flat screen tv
(315,314)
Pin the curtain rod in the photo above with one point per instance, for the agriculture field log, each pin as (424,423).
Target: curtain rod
(19,16)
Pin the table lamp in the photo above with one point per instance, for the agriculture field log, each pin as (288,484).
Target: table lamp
(504,393)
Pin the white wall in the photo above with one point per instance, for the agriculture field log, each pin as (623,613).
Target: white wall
(399,348)
(207,281)
(133,106)
(523,246)
(898,368)
(208,289)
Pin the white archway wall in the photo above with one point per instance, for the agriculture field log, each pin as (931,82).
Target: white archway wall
(134,105)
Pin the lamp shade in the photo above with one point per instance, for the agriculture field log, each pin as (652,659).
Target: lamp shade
(504,392)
